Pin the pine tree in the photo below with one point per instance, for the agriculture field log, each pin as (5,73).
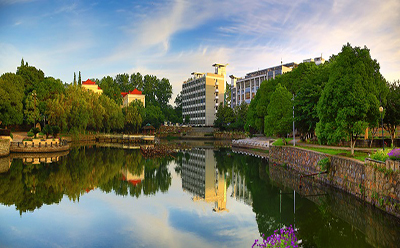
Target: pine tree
(79,78)
(74,78)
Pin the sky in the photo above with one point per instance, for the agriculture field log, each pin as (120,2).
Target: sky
(173,38)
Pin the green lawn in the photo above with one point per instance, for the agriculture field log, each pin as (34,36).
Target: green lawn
(357,155)
(279,142)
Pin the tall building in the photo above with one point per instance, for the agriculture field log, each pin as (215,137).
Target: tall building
(244,89)
(202,94)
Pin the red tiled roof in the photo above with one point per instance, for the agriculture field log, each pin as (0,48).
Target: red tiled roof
(135,182)
(87,82)
(124,94)
(135,92)
(98,87)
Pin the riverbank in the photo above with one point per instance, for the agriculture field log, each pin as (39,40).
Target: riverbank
(374,182)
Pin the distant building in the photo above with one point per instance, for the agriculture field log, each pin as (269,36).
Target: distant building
(90,85)
(202,94)
(244,89)
(317,60)
(128,97)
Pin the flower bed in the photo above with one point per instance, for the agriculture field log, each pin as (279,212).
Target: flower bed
(284,237)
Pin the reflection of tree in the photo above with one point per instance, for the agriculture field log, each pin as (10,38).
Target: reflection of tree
(29,186)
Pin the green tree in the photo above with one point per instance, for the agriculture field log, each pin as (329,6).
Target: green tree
(79,79)
(133,116)
(224,117)
(163,92)
(47,130)
(178,108)
(111,89)
(227,95)
(136,81)
(392,110)
(11,98)
(31,76)
(74,78)
(349,99)
(279,118)
(122,80)
(240,113)
(153,115)
(32,108)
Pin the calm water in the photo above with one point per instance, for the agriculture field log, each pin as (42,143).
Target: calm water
(108,197)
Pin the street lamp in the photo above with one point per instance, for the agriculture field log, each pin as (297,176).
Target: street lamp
(34,107)
(383,140)
(294,137)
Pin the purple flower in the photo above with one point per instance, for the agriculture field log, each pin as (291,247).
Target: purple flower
(394,154)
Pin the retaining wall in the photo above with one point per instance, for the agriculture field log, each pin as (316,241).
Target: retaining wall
(4,147)
(371,181)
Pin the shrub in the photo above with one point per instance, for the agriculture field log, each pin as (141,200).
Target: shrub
(394,154)
(30,134)
(34,130)
(47,130)
(380,155)
(284,237)
(56,131)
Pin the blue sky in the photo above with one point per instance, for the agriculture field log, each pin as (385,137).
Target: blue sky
(173,38)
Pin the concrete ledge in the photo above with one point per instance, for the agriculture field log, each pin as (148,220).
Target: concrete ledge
(4,147)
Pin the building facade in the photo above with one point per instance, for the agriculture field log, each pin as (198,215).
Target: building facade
(244,89)
(128,97)
(202,94)
(90,85)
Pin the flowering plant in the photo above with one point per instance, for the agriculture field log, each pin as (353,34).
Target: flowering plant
(394,154)
(284,237)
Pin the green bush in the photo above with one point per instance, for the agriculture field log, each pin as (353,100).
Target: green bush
(34,130)
(30,134)
(380,155)
(12,136)
(47,130)
(56,131)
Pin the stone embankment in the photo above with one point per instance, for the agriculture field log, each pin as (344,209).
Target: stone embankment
(372,181)
(259,143)
(39,145)
(4,147)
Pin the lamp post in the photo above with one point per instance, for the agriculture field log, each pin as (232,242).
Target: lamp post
(34,107)
(383,140)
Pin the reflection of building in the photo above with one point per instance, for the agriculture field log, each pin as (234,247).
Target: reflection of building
(200,177)
(128,97)
(37,158)
(202,94)
(239,189)
(90,85)
(244,89)
(133,179)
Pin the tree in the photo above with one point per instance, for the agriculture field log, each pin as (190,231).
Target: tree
(349,99)
(392,110)
(122,80)
(32,108)
(31,76)
(136,81)
(187,119)
(240,113)
(111,89)
(47,130)
(149,89)
(74,78)
(178,108)
(79,79)
(134,116)
(153,115)
(11,99)
(279,118)
(224,117)
(163,92)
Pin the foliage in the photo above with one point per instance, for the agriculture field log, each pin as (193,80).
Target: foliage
(349,99)
(153,115)
(394,154)
(279,119)
(32,108)
(56,131)
(47,130)
(224,117)
(187,119)
(133,116)
(279,142)
(30,75)
(392,109)
(11,99)
(34,130)
(30,134)
(380,155)
(283,237)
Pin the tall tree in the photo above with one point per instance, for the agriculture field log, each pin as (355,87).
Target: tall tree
(74,78)
(136,81)
(349,99)
(31,76)
(122,80)
(11,98)
(227,98)
(279,118)
(32,108)
(163,92)
(79,79)
(111,89)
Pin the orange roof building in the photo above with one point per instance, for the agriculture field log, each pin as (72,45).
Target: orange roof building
(90,85)
(128,97)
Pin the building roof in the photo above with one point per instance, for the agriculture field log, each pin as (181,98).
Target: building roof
(89,82)
(133,92)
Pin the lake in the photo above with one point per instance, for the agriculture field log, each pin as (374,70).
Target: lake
(202,197)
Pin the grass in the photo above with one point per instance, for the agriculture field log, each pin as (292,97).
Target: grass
(279,142)
(357,155)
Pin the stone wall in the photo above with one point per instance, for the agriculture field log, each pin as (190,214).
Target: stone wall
(369,180)
(4,147)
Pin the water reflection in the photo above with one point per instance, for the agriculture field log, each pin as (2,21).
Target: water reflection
(246,193)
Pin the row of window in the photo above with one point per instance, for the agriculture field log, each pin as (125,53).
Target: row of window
(186,90)
(193,102)
(195,115)
(193,95)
